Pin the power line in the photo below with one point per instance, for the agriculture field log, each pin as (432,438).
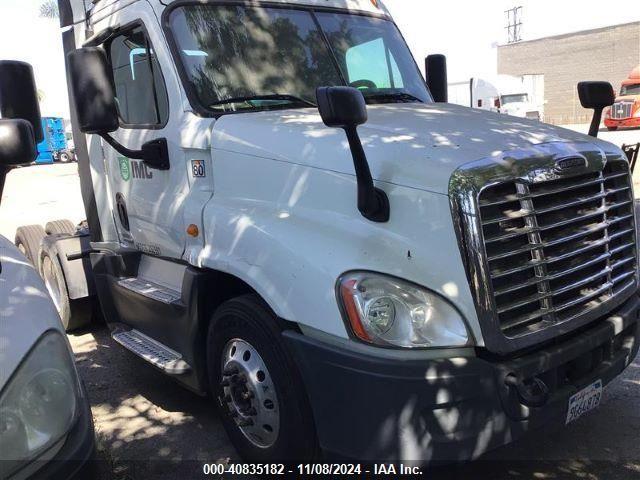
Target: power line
(514,24)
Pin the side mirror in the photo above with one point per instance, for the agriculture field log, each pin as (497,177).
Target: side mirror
(92,91)
(345,107)
(436,76)
(18,95)
(20,125)
(342,107)
(17,143)
(94,100)
(596,96)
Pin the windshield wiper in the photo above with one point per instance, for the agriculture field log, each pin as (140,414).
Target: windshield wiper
(277,96)
(393,96)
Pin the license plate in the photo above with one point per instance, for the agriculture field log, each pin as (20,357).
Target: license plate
(584,401)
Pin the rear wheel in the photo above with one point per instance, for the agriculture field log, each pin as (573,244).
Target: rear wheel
(612,129)
(258,388)
(28,239)
(64,157)
(73,313)
(60,227)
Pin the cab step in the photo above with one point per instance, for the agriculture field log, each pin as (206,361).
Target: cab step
(151,290)
(152,351)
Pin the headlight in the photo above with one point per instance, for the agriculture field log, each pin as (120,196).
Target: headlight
(387,311)
(38,405)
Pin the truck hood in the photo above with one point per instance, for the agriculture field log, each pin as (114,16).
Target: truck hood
(412,145)
(26,310)
(518,107)
(628,98)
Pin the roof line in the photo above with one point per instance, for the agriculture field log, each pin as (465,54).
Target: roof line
(571,34)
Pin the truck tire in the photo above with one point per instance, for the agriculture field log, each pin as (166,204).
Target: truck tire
(612,129)
(73,313)
(65,157)
(257,386)
(60,227)
(28,239)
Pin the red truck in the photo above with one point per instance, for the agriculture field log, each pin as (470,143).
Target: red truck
(626,111)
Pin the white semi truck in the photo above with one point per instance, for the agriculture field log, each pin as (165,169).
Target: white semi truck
(505,94)
(283,214)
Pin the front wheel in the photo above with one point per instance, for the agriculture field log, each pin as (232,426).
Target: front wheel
(612,129)
(259,391)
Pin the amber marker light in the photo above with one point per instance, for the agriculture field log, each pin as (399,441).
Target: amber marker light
(350,308)
(193,231)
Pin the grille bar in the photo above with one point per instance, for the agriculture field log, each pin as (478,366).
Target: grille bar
(557,249)
(514,198)
(587,296)
(513,288)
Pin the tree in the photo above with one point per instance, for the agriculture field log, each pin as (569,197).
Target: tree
(49,9)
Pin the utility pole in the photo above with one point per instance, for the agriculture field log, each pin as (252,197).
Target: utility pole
(514,24)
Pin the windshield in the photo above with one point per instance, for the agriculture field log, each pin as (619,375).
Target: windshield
(246,57)
(516,98)
(633,89)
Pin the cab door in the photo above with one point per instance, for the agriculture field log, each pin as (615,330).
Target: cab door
(147,203)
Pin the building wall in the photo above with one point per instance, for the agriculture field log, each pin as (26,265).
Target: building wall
(603,54)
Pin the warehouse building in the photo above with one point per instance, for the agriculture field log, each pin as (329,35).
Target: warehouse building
(561,61)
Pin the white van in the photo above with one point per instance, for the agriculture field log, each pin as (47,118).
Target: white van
(46,429)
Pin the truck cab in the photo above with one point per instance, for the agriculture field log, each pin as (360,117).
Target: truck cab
(504,94)
(283,214)
(625,112)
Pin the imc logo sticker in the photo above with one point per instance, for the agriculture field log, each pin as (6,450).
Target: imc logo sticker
(134,169)
(125,168)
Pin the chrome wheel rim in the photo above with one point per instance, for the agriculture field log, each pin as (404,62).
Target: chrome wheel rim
(51,282)
(249,393)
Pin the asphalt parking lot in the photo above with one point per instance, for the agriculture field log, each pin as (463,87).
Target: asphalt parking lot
(149,427)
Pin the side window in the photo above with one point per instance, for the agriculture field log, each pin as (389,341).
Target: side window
(141,94)
(374,62)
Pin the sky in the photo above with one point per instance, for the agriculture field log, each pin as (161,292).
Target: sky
(466,31)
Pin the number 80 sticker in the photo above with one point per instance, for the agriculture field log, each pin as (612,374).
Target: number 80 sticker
(197,168)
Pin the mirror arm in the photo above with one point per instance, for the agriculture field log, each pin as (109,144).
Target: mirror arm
(595,122)
(154,153)
(121,149)
(373,202)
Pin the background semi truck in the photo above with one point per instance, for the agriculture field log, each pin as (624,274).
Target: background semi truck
(54,147)
(625,112)
(284,215)
(516,96)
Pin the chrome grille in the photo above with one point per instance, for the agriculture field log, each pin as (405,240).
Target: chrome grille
(560,248)
(621,110)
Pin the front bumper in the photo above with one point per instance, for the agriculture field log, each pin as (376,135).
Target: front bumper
(626,122)
(452,409)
